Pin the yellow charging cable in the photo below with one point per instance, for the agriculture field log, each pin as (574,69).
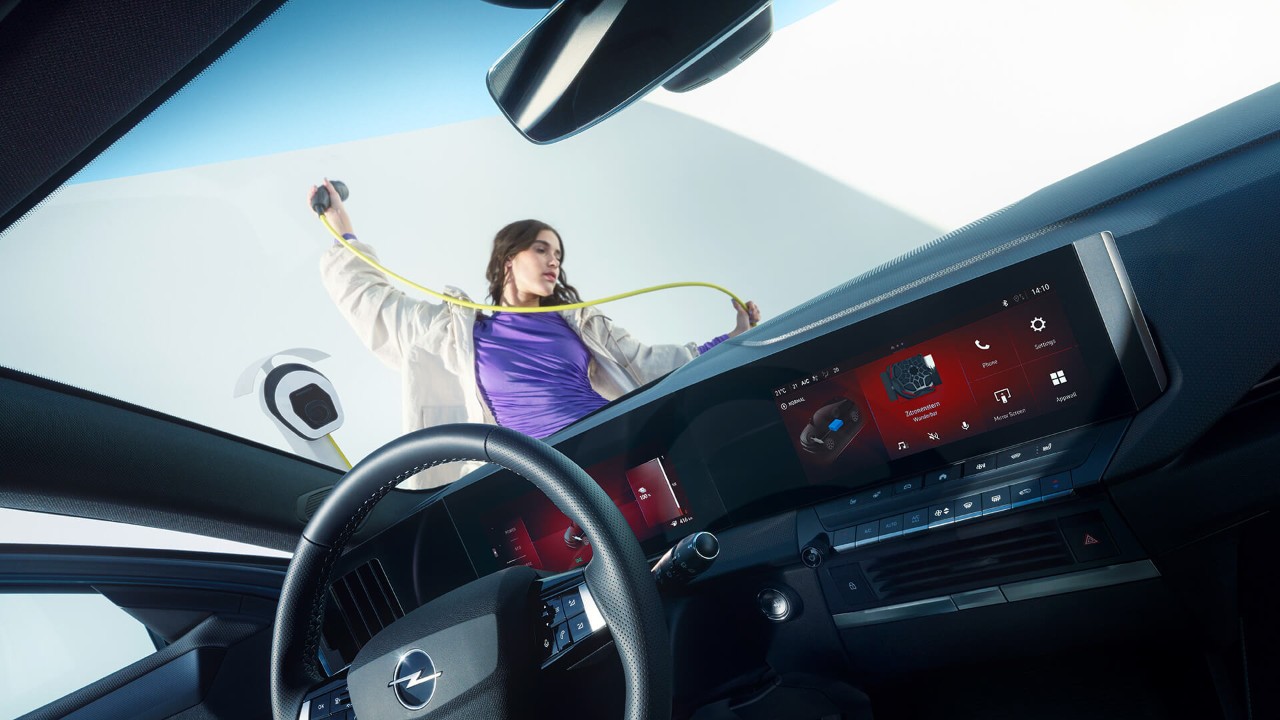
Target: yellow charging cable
(503,308)
(341,454)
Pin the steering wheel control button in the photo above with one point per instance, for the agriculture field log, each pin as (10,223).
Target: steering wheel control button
(994,501)
(320,706)
(851,585)
(341,700)
(775,604)
(915,520)
(1055,486)
(563,639)
(812,556)
(572,603)
(579,628)
(979,465)
(1025,492)
(414,681)
(546,643)
(968,507)
(890,527)
(552,614)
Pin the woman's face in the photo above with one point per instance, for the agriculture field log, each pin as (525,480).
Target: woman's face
(535,270)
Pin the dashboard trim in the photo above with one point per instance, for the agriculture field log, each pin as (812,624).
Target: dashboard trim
(1126,325)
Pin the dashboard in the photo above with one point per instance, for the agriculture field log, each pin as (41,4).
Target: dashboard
(1000,393)
(926,394)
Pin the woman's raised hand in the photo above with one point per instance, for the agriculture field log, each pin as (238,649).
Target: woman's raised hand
(337,212)
(747,317)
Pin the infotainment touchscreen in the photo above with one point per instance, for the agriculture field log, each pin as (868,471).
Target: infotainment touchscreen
(1021,349)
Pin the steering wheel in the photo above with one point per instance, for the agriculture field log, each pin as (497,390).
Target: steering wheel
(480,637)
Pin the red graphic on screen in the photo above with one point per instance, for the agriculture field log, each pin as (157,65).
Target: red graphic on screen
(653,492)
(1016,364)
(919,397)
(531,531)
(829,424)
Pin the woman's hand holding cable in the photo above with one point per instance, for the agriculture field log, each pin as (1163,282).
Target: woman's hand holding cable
(747,317)
(337,212)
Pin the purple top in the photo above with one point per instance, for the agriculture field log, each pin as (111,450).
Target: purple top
(532,371)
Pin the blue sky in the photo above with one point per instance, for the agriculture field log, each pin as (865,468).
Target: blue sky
(322,71)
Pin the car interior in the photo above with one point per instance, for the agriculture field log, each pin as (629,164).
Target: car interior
(1026,469)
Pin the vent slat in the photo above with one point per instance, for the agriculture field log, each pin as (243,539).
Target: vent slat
(362,603)
(980,559)
(961,559)
(349,606)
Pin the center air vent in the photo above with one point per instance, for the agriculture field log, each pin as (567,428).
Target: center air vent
(980,560)
(361,604)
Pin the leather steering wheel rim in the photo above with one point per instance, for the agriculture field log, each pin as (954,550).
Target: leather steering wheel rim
(618,573)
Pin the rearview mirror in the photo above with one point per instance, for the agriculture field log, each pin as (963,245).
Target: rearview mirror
(587,59)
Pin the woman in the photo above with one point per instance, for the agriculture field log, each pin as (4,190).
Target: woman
(534,372)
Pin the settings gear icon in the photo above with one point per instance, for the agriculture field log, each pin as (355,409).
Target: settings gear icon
(1038,324)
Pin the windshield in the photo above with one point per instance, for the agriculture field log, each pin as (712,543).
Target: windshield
(183,265)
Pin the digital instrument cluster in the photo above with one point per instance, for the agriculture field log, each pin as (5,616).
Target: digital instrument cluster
(530,530)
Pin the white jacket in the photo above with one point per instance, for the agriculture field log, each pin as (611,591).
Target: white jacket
(432,345)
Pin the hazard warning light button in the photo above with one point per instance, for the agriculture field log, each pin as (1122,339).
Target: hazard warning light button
(1088,537)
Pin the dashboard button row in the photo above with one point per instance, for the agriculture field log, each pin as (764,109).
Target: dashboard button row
(845,510)
(948,512)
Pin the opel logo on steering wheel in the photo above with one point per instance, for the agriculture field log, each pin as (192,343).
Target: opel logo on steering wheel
(414,680)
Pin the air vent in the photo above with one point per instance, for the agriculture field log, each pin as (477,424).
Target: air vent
(309,503)
(361,604)
(985,559)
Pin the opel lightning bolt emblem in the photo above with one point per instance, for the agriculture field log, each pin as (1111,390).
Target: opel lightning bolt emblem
(415,679)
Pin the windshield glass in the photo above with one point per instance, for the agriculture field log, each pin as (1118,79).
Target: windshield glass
(182,266)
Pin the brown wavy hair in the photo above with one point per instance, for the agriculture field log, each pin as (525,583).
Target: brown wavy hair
(517,237)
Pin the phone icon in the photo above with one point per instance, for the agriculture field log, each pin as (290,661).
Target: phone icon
(981,346)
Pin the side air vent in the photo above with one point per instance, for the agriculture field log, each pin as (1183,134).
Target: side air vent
(985,559)
(309,503)
(361,604)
